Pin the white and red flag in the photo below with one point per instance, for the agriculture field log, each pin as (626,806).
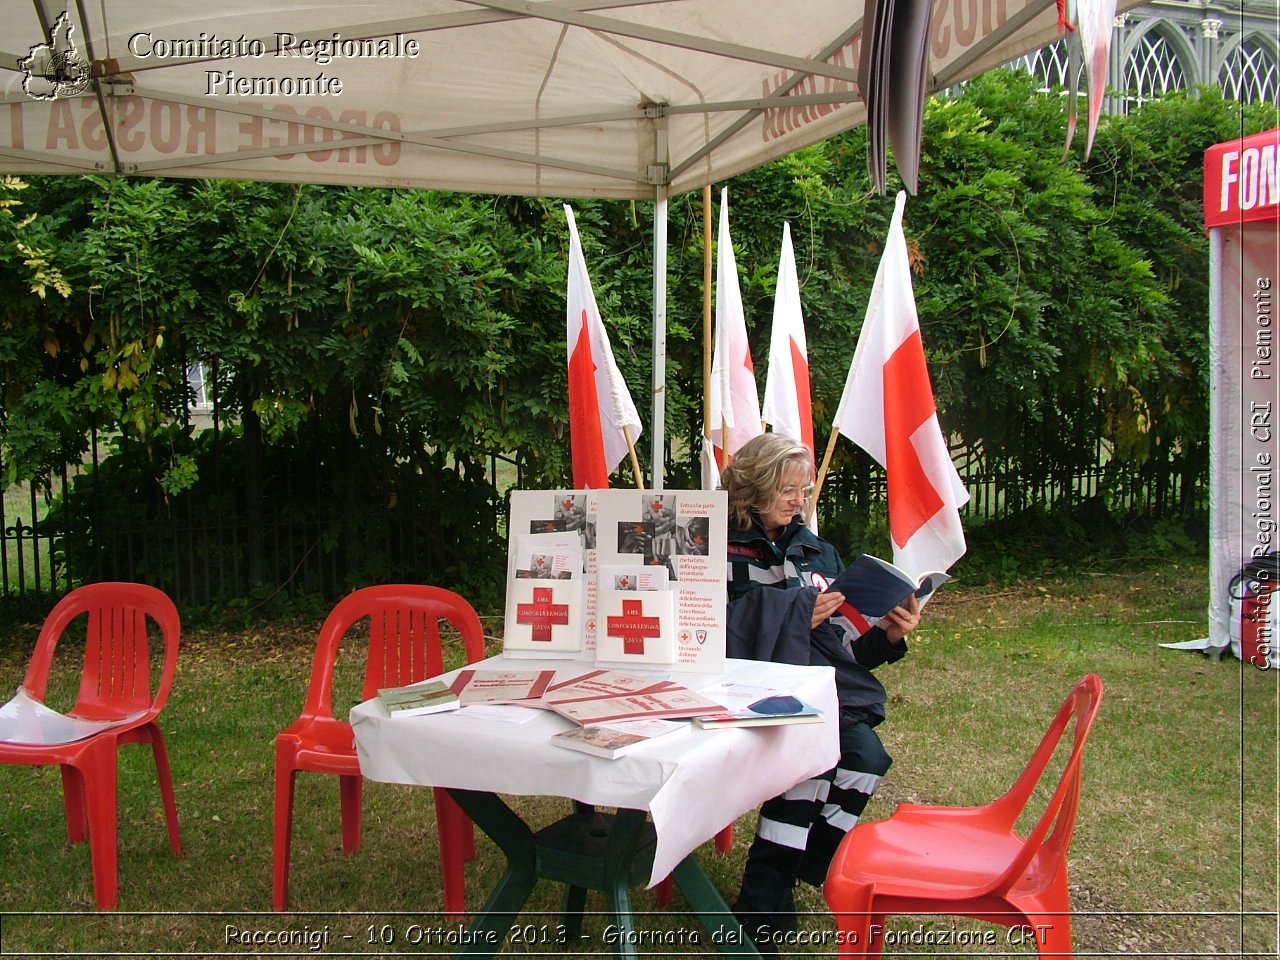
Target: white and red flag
(710,469)
(887,409)
(599,403)
(1091,23)
(788,404)
(735,403)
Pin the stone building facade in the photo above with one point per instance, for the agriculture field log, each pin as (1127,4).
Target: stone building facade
(1180,44)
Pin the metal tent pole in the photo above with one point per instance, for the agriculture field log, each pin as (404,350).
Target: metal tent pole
(657,435)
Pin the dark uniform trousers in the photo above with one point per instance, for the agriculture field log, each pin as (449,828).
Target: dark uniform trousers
(799,831)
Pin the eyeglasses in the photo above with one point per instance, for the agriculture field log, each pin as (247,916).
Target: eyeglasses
(788,493)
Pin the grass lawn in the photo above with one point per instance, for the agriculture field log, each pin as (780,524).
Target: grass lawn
(1175,853)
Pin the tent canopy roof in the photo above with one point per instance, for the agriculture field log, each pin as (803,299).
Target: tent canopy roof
(571,98)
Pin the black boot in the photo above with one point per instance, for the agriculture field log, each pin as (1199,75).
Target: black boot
(766,930)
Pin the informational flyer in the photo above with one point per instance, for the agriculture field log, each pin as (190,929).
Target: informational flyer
(685,533)
(636,627)
(551,575)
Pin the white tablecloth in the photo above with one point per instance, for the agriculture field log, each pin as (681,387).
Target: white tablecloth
(692,784)
(28,721)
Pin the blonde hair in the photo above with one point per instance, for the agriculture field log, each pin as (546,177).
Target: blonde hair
(757,473)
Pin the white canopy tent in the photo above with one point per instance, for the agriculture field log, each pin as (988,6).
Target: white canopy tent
(1242,215)
(567,98)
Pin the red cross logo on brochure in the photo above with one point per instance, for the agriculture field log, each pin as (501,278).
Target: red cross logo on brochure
(633,626)
(541,615)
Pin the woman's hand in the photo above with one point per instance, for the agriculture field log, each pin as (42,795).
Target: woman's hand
(900,621)
(825,606)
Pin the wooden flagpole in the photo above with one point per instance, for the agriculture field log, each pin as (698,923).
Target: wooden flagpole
(635,462)
(822,475)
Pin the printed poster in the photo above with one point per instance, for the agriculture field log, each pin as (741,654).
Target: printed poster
(550,575)
(685,534)
(618,577)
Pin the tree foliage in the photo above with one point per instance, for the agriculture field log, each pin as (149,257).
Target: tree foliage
(411,336)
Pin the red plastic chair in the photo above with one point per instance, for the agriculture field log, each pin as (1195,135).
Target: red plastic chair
(404,647)
(969,861)
(115,705)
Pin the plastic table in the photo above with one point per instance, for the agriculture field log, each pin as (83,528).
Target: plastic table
(671,796)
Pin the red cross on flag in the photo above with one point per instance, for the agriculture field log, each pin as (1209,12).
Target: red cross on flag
(600,407)
(735,403)
(887,409)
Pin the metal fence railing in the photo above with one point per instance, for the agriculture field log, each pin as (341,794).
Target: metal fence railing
(205,559)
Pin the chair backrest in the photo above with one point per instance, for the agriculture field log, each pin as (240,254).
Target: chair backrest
(1045,850)
(404,638)
(117,671)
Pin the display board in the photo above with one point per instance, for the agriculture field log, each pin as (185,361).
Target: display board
(620,577)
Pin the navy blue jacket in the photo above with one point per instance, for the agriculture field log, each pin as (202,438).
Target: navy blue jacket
(771,595)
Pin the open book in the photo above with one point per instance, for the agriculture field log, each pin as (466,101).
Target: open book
(873,586)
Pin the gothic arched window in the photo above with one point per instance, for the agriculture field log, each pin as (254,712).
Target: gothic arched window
(1153,68)
(1049,64)
(1250,74)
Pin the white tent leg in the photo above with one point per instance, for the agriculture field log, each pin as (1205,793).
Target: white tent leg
(657,431)
(1222,558)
